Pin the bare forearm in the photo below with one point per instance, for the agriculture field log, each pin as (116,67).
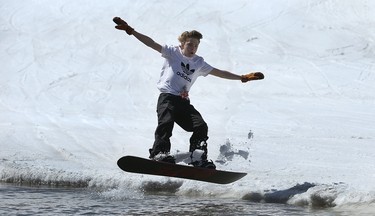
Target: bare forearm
(229,75)
(147,41)
(232,76)
(225,74)
(143,38)
(122,25)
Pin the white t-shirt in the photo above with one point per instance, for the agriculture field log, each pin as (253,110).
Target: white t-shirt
(180,72)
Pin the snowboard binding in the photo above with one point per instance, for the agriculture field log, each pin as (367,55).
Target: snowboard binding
(199,155)
(163,157)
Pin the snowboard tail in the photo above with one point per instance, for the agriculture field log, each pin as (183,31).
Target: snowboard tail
(145,166)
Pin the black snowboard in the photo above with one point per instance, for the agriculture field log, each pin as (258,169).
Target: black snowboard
(146,166)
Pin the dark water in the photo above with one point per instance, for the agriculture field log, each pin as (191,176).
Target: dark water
(31,200)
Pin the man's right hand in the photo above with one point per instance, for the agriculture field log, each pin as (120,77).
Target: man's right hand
(122,25)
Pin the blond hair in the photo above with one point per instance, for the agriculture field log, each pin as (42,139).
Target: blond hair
(190,34)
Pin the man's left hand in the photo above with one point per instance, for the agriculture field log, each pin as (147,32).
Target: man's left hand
(252,76)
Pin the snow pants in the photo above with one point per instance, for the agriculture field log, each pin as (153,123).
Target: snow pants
(171,109)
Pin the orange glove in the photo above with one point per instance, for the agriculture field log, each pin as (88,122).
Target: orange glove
(252,76)
(122,25)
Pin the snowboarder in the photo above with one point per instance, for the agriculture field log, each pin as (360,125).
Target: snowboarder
(180,70)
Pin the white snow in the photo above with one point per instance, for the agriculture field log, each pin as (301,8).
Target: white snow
(76,94)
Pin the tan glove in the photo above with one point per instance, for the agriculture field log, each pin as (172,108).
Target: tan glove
(122,25)
(252,76)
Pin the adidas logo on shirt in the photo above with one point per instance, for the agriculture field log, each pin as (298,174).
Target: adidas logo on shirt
(186,69)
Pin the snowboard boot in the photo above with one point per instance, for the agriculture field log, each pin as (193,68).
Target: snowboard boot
(163,157)
(199,156)
(208,164)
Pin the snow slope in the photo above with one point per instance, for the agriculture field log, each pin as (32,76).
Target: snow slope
(76,94)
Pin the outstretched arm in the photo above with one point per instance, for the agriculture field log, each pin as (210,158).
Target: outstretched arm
(122,25)
(232,76)
(147,41)
(225,74)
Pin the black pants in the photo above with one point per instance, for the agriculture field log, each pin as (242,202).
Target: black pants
(171,109)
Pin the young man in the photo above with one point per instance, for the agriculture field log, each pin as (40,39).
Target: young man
(180,70)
